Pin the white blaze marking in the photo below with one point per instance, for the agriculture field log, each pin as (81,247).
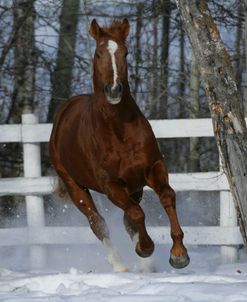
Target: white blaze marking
(112,48)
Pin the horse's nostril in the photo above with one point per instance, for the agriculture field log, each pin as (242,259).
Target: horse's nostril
(113,93)
(120,88)
(117,89)
(113,90)
(107,88)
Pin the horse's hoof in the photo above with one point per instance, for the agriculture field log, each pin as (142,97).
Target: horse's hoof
(144,253)
(179,261)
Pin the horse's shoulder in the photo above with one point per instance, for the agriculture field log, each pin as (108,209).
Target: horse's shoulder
(82,99)
(71,108)
(75,103)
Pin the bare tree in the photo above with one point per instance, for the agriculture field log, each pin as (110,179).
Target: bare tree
(155,77)
(194,113)
(182,77)
(22,39)
(138,46)
(223,97)
(24,59)
(162,101)
(245,42)
(62,77)
(238,50)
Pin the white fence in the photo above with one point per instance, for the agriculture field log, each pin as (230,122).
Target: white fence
(33,186)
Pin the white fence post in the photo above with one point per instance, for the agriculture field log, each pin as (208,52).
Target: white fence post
(34,204)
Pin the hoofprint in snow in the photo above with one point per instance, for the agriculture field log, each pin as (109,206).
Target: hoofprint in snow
(205,280)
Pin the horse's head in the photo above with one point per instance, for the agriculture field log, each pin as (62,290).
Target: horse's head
(110,65)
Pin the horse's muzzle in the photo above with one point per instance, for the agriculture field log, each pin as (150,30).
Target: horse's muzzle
(113,93)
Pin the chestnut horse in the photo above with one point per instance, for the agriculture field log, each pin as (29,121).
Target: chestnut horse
(103,142)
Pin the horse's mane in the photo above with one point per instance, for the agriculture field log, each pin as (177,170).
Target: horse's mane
(114,29)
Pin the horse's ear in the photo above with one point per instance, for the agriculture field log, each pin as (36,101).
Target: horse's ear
(125,28)
(95,30)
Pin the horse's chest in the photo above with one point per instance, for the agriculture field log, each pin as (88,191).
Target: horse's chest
(126,161)
(124,153)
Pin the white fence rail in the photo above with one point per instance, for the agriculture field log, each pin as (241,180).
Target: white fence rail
(33,186)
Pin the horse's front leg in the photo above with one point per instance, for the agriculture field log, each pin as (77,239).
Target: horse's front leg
(129,226)
(157,178)
(134,218)
(145,264)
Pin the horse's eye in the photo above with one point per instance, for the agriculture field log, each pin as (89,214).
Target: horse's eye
(126,54)
(97,55)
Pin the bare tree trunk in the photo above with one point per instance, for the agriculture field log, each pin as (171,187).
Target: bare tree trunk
(24,59)
(238,52)
(223,96)
(194,165)
(62,77)
(23,40)
(182,78)
(162,101)
(181,147)
(138,46)
(155,88)
(155,56)
(245,42)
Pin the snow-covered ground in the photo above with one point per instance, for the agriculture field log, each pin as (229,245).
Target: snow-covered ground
(84,275)
(77,273)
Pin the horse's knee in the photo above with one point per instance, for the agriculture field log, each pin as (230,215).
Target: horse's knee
(167,193)
(135,214)
(167,196)
(157,176)
(137,196)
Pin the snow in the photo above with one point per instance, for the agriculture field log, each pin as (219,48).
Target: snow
(78,273)
(78,286)
(93,280)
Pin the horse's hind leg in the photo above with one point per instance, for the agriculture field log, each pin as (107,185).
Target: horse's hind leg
(157,179)
(83,200)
